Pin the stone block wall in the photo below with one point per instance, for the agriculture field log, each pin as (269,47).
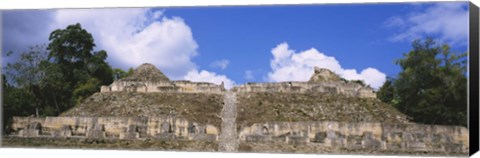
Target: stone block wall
(166,127)
(348,89)
(370,136)
(188,86)
(162,86)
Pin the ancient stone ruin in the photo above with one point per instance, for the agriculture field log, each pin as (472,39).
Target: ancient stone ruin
(161,128)
(147,78)
(322,80)
(327,114)
(360,136)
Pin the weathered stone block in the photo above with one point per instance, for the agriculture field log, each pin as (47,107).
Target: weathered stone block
(165,136)
(354,142)
(66,131)
(97,132)
(319,137)
(369,142)
(32,130)
(211,130)
(259,138)
(130,133)
(297,140)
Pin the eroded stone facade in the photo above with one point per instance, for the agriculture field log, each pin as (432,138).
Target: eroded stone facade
(163,128)
(342,88)
(147,78)
(361,135)
(162,86)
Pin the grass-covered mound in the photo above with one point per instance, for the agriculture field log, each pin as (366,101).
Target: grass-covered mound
(272,107)
(197,107)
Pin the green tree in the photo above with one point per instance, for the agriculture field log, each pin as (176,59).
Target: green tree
(130,71)
(54,90)
(86,89)
(72,49)
(119,73)
(47,80)
(57,76)
(100,69)
(72,45)
(26,74)
(386,92)
(16,102)
(431,88)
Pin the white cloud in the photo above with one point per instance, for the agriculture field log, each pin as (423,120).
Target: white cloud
(212,77)
(222,64)
(371,76)
(290,66)
(131,36)
(249,75)
(447,20)
(138,35)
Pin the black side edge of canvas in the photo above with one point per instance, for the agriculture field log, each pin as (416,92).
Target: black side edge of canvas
(473,78)
(1,82)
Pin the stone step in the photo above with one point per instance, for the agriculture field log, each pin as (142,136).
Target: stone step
(228,136)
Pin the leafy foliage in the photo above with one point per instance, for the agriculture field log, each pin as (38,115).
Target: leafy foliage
(432,86)
(86,89)
(48,79)
(386,92)
(72,45)
(72,49)
(16,102)
(119,73)
(25,76)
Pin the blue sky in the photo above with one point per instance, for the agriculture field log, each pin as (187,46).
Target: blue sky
(254,43)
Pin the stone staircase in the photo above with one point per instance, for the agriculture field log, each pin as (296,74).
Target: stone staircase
(228,137)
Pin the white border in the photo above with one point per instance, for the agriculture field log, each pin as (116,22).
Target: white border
(73,153)
(49,4)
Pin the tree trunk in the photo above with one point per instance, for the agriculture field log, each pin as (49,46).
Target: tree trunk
(56,104)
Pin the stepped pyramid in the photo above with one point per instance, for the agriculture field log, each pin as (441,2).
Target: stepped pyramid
(148,78)
(323,75)
(147,72)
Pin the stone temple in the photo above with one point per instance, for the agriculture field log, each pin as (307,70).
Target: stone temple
(147,78)
(326,114)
